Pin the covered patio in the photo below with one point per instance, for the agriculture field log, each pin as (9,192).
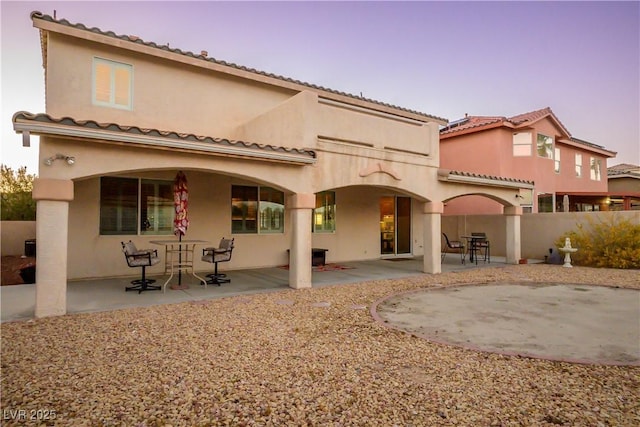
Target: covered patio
(18,301)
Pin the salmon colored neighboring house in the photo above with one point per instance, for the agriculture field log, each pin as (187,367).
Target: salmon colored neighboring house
(534,146)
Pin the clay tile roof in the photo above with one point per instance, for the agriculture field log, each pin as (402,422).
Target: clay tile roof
(623,167)
(486,122)
(135,130)
(136,39)
(531,116)
(491,177)
(583,142)
(626,169)
(471,122)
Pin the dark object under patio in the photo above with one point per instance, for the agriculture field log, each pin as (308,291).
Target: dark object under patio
(28,274)
(216,255)
(140,258)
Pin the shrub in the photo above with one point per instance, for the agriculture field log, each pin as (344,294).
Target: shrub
(610,242)
(15,195)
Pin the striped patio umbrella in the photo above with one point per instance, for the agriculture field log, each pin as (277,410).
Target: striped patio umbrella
(181,204)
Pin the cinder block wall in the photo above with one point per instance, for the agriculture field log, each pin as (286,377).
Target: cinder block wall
(14,233)
(539,231)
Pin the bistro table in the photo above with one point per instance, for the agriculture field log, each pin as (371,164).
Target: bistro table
(473,247)
(179,257)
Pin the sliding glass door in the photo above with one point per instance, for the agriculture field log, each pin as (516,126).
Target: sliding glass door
(395,225)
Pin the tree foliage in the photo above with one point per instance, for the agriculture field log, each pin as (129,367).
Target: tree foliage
(612,242)
(15,193)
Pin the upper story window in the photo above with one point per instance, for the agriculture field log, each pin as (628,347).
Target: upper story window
(556,160)
(578,165)
(112,84)
(324,215)
(256,210)
(522,144)
(135,206)
(545,146)
(596,167)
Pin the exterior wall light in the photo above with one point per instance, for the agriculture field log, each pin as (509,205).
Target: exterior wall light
(69,159)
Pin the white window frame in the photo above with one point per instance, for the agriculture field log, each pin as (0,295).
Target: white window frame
(578,165)
(547,146)
(113,67)
(521,140)
(595,168)
(556,159)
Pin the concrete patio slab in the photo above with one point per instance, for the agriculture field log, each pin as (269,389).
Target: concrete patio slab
(18,301)
(576,323)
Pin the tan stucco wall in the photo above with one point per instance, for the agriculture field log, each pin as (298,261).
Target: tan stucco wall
(356,238)
(624,185)
(362,154)
(203,102)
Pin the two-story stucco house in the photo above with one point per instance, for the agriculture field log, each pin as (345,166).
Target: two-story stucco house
(278,164)
(534,146)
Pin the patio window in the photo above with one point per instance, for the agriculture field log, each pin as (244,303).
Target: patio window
(522,144)
(112,84)
(256,210)
(545,146)
(156,207)
(578,165)
(596,167)
(324,215)
(131,206)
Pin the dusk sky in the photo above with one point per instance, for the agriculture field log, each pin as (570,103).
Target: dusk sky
(446,59)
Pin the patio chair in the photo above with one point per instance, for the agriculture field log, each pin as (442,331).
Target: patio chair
(480,244)
(217,255)
(140,259)
(453,246)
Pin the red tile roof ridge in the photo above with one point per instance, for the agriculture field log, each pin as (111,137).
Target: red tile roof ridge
(136,39)
(530,116)
(623,166)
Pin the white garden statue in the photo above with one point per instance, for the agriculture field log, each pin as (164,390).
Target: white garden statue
(568,250)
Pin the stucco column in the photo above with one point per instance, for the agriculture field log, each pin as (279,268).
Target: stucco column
(513,249)
(301,206)
(52,216)
(431,219)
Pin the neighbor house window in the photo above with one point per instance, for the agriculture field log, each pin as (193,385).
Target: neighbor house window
(112,84)
(522,144)
(135,206)
(578,165)
(256,209)
(324,215)
(545,202)
(596,166)
(556,160)
(545,146)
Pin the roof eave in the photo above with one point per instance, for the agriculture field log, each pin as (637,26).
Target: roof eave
(446,175)
(27,127)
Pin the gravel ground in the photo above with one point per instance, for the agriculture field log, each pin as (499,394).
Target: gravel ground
(308,357)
